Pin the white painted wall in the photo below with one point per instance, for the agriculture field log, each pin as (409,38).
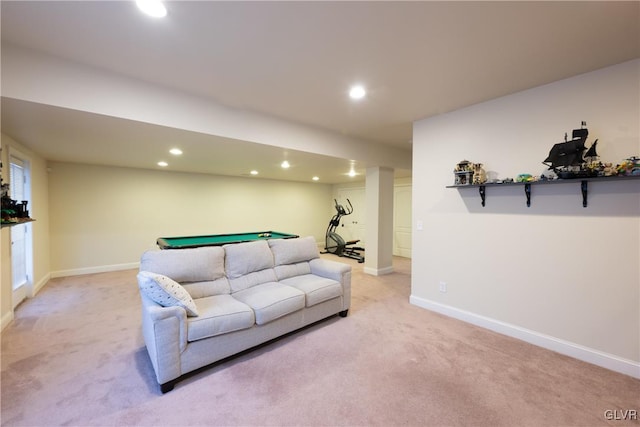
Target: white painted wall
(6,291)
(556,273)
(105,217)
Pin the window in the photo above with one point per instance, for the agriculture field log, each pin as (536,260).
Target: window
(17,179)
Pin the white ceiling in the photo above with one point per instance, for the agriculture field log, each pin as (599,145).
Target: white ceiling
(296,60)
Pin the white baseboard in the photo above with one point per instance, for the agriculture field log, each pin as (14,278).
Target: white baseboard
(577,351)
(378,271)
(38,286)
(98,269)
(6,319)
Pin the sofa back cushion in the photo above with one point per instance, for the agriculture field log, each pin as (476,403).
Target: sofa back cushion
(248,257)
(186,265)
(208,288)
(250,280)
(291,270)
(292,251)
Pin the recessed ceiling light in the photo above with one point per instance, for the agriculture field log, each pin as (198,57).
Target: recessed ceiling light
(254,172)
(357,92)
(163,164)
(153,8)
(285,165)
(315,178)
(175,151)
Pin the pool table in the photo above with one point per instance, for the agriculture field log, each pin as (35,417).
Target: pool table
(219,239)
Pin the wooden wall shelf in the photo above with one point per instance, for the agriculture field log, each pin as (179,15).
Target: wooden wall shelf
(584,185)
(11,224)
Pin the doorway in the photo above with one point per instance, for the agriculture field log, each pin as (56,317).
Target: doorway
(21,245)
(402,221)
(353,226)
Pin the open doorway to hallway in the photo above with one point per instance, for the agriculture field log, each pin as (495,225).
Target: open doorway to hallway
(353,227)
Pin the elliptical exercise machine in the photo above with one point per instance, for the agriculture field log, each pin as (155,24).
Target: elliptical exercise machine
(334,243)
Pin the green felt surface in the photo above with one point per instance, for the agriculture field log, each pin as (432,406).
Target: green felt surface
(218,239)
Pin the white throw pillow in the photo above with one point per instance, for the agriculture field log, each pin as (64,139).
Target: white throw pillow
(166,292)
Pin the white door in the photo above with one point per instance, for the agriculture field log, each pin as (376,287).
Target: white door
(402,221)
(352,227)
(20,247)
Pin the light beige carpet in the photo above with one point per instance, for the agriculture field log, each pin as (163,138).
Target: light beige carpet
(75,356)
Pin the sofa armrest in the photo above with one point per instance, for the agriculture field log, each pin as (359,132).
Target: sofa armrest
(165,335)
(330,269)
(337,271)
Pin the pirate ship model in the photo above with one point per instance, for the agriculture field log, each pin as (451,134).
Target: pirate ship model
(569,160)
(11,211)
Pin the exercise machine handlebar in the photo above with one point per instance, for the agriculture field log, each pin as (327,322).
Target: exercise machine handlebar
(341,210)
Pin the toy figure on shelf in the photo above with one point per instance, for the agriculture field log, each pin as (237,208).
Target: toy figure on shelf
(6,204)
(525,177)
(479,175)
(12,211)
(629,167)
(566,158)
(609,170)
(463,173)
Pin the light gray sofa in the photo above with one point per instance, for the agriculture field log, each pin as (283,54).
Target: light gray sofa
(202,305)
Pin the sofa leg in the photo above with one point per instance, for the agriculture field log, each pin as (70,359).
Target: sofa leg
(167,387)
(344,313)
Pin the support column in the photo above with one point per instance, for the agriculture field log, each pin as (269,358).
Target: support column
(379,223)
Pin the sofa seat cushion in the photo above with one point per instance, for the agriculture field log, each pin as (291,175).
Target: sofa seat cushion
(271,301)
(316,289)
(219,314)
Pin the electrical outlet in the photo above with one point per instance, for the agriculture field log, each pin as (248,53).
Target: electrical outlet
(442,286)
